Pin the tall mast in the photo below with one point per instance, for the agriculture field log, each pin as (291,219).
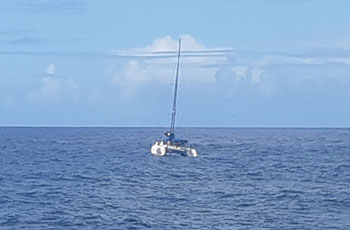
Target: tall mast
(173,112)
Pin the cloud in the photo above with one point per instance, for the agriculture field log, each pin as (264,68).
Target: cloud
(130,77)
(282,74)
(159,61)
(285,77)
(21,37)
(16,32)
(11,39)
(52,5)
(306,78)
(56,89)
(27,41)
(326,52)
(60,54)
(166,47)
(232,73)
(50,69)
(51,89)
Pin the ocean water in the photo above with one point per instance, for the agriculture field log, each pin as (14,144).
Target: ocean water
(106,178)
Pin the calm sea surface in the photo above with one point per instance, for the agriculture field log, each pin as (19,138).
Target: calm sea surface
(106,178)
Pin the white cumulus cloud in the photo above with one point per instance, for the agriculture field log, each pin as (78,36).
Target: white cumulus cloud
(54,89)
(50,69)
(232,72)
(158,61)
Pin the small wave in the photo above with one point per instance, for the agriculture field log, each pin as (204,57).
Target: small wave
(247,179)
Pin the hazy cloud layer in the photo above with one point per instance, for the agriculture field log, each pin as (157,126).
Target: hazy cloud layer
(51,5)
(16,32)
(218,81)
(26,41)
(55,89)
(233,72)
(236,72)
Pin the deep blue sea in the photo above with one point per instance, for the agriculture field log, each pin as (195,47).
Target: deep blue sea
(106,178)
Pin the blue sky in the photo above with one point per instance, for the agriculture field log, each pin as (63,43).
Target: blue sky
(249,63)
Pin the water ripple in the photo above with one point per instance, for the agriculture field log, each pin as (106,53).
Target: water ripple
(93,178)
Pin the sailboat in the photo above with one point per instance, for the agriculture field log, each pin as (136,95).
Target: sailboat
(171,144)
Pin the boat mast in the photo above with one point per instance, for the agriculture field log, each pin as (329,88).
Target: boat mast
(173,112)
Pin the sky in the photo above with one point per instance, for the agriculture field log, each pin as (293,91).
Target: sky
(244,63)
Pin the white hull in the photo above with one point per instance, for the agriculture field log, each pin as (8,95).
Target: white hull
(161,148)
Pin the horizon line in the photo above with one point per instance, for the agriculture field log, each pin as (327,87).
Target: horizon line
(181,127)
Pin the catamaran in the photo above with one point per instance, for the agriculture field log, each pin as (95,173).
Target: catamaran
(170,143)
